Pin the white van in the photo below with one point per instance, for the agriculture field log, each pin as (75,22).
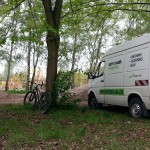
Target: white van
(122,77)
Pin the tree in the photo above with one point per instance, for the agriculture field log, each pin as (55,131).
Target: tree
(38,50)
(53,16)
(84,14)
(33,28)
(8,55)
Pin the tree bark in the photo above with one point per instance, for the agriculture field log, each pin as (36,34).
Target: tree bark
(53,15)
(52,63)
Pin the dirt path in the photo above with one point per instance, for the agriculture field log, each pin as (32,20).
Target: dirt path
(78,93)
(6,98)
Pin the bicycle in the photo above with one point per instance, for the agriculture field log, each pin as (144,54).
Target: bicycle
(38,97)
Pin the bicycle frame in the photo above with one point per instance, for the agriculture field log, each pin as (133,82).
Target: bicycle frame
(37,92)
(40,97)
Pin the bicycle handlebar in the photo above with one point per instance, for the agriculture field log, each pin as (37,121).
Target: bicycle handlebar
(36,83)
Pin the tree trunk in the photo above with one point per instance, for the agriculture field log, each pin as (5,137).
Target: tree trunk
(73,60)
(91,64)
(9,67)
(33,75)
(53,15)
(34,67)
(52,62)
(98,53)
(99,46)
(28,63)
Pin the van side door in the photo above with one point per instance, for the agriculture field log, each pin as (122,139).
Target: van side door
(114,79)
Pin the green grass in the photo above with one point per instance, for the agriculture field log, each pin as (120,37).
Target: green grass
(17,91)
(72,127)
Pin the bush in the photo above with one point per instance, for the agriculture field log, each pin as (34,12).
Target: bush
(61,88)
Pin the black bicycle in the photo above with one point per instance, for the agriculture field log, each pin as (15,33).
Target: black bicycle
(37,97)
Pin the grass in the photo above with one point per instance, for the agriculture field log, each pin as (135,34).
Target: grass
(72,128)
(17,91)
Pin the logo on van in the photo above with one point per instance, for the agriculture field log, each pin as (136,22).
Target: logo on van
(112,91)
(114,65)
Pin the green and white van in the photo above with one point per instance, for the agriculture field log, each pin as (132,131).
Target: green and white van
(122,77)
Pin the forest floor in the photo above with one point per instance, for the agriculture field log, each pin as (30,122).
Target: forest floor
(78,93)
(70,127)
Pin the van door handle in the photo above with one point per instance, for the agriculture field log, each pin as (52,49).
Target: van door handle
(102,80)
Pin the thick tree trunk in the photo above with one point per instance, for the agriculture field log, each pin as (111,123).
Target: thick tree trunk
(53,15)
(53,46)
(9,68)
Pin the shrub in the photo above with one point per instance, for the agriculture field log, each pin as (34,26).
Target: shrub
(61,88)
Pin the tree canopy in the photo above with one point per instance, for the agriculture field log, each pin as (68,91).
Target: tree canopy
(69,34)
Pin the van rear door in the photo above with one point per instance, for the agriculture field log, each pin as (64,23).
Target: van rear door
(137,72)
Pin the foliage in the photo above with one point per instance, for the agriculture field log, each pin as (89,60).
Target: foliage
(80,78)
(61,86)
(88,28)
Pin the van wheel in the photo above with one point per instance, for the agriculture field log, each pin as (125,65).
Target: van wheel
(92,102)
(136,108)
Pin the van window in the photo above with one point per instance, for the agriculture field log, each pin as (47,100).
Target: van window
(114,70)
(115,64)
(100,69)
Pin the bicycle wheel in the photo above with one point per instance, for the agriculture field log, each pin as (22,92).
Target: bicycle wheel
(45,102)
(30,98)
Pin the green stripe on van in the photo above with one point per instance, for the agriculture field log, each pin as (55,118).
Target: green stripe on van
(112,92)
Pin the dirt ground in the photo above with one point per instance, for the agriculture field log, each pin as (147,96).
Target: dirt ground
(78,92)
(6,98)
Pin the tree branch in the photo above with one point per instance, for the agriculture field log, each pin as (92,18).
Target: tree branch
(110,4)
(9,9)
(78,7)
(57,12)
(17,5)
(48,12)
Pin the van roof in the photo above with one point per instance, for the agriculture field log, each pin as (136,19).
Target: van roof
(129,44)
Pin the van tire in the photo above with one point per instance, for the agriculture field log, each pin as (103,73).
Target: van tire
(136,108)
(92,102)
